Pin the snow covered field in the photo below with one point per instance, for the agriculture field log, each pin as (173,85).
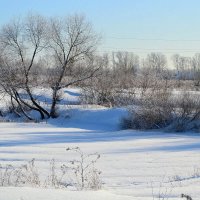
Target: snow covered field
(134,165)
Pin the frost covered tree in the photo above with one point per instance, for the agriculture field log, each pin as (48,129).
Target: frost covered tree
(22,42)
(71,41)
(183,66)
(125,67)
(157,62)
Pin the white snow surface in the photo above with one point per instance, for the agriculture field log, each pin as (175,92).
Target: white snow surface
(134,164)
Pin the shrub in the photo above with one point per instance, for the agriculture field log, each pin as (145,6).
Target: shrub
(80,173)
(26,174)
(83,167)
(155,111)
(187,112)
(159,109)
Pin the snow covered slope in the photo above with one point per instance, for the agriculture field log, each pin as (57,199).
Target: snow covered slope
(134,165)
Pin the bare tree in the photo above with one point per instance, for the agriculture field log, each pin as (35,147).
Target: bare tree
(22,42)
(125,66)
(183,66)
(126,61)
(100,90)
(157,62)
(71,40)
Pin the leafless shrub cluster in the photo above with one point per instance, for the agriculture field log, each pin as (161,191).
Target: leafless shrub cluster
(187,112)
(153,107)
(155,111)
(26,174)
(159,107)
(80,173)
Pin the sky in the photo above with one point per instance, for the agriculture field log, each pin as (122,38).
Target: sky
(139,26)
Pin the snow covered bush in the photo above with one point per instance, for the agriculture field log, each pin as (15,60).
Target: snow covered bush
(83,167)
(26,174)
(155,111)
(79,173)
(187,112)
(160,109)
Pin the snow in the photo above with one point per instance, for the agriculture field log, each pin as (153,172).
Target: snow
(134,164)
(46,194)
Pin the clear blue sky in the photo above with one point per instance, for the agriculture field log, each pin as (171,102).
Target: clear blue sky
(129,20)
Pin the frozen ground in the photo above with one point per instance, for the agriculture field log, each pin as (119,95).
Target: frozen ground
(134,164)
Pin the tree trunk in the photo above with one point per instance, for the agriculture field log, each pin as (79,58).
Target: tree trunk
(53,113)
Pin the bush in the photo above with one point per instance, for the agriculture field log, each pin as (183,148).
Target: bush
(159,109)
(83,167)
(155,111)
(187,112)
(80,173)
(26,174)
